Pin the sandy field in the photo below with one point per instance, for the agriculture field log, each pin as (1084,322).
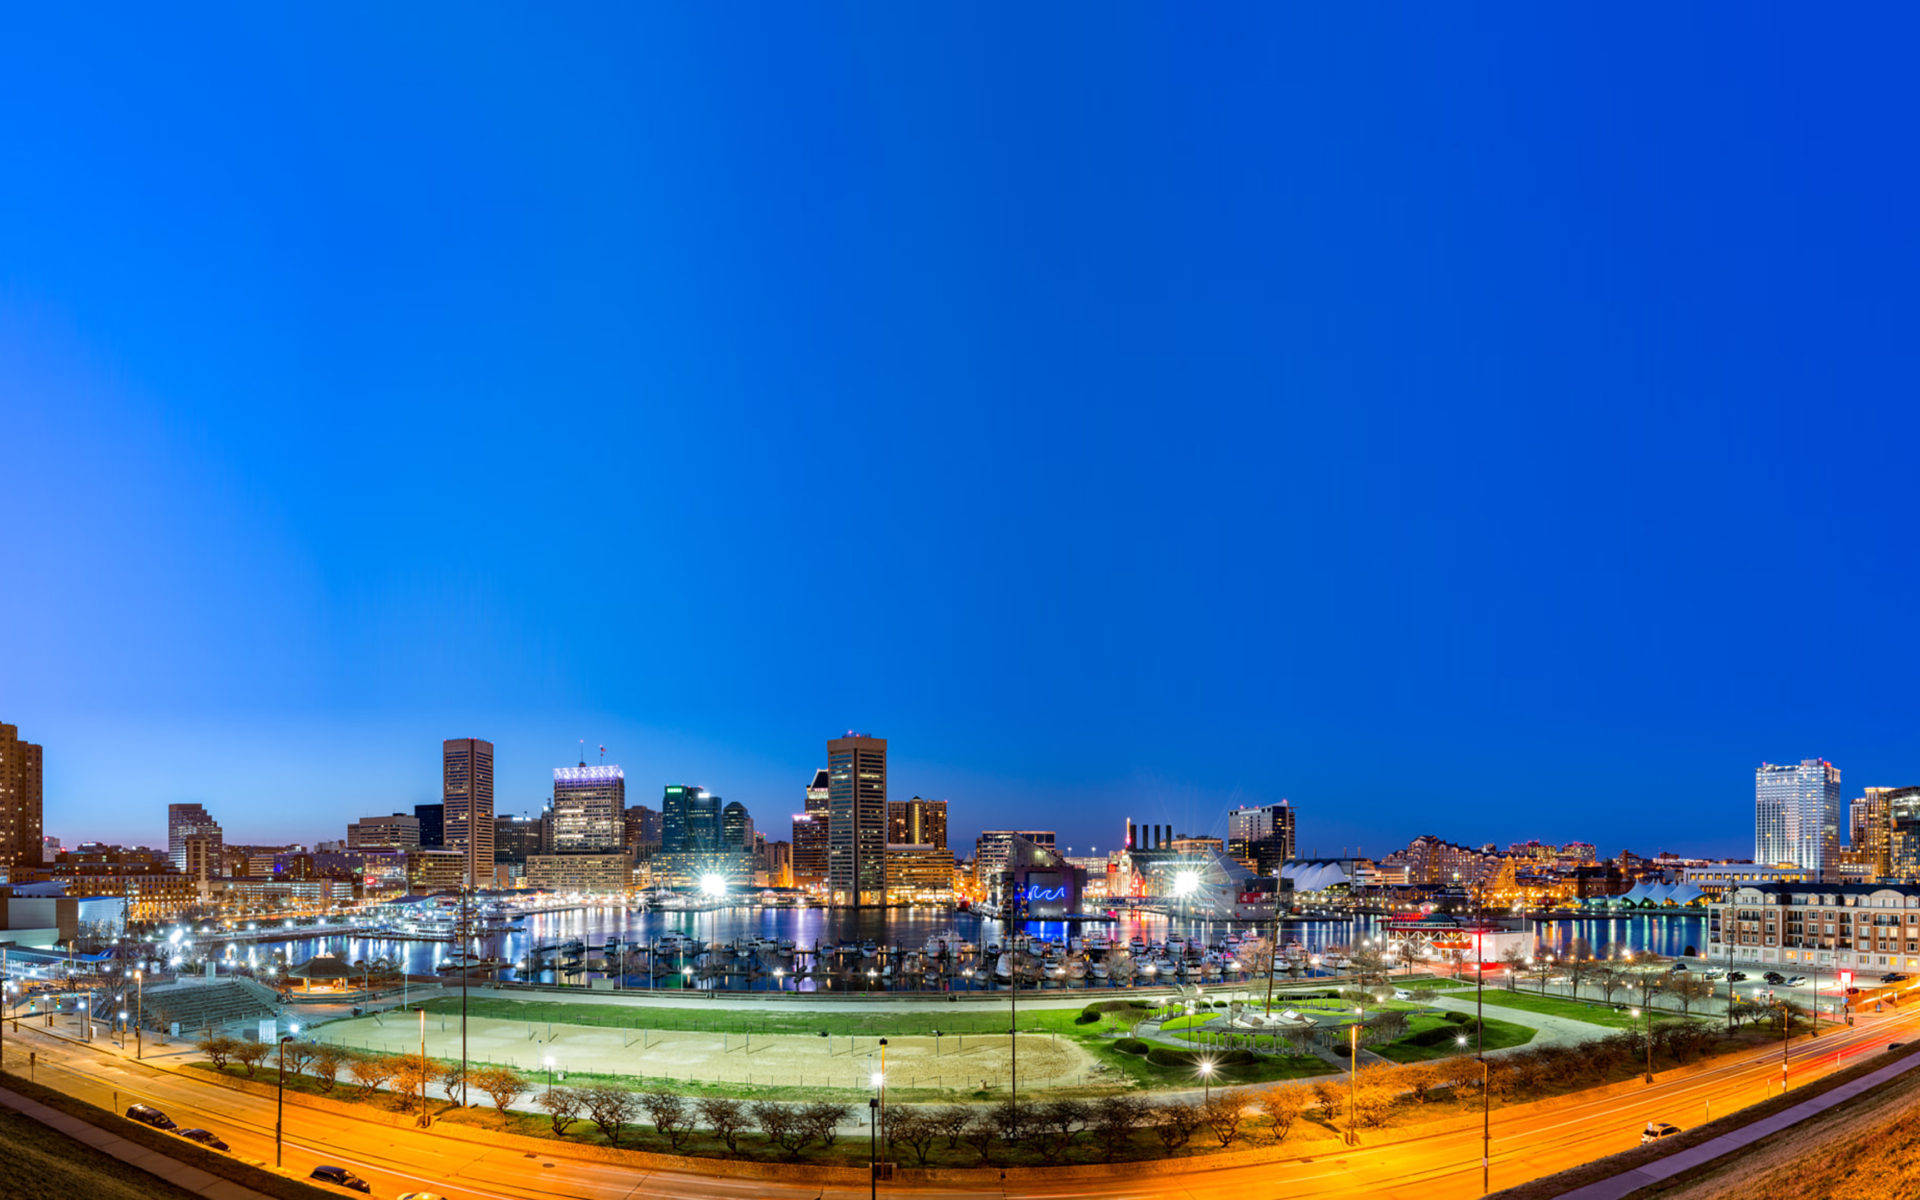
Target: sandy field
(962,1063)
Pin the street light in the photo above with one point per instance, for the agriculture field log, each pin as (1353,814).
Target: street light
(280,1098)
(549,1061)
(1635,1012)
(1206,1081)
(1353,1076)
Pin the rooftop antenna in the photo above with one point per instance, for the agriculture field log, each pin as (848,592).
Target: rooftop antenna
(583,752)
(603,756)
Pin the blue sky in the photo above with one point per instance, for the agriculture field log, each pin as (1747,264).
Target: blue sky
(1453,419)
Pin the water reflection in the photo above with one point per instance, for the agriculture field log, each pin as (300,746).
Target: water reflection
(911,928)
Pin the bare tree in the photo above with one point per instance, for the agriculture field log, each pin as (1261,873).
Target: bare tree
(412,1075)
(1689,988)
(503,1085)
(1514,959)
(782,1127)
(726,1118)
(563,1107)
(249,1054)
(298,1055)
(1115,1120)
(824,1118)
(1282,1107)
(668,1112)
(1580,964)
(370,1071)
(612,1109)
(1174,1123)
(1608,981)
(1224,1116)
(327,1061)
(218,1048)
(452,1078)
(950,1121)
(908,1126)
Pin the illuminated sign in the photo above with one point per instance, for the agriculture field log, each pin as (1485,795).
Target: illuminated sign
(1043,894)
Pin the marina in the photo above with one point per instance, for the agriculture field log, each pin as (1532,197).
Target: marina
(750,948)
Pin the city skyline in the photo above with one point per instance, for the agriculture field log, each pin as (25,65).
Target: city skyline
(1216,824)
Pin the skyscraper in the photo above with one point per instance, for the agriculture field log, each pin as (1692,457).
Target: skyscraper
(187,821)
(1796,815)
(20,769)
(1871,828)
(466,791)
(589,809)
(736,827)
(810,835)
(689,820)
(917,822)
(433,825)
(857,820)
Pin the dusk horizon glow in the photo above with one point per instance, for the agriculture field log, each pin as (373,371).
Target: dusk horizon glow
(1487,432)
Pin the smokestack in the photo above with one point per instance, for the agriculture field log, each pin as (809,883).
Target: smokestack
(1166,832)
(1129,842)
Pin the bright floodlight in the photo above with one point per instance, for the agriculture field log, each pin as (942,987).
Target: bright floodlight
(1186,883)
(713,885)
(1206,1066)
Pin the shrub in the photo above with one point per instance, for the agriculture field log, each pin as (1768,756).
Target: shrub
(1131,1045)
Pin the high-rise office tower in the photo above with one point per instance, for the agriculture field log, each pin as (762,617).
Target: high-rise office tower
(191,820)
(689,820)
(433,825)
(643,828)
(1869,832)
(1902,823)
(466,791)
(736,827)
(20,783)
(1796,815)
(589,809)
(810,835)
(916,821)
(857,820)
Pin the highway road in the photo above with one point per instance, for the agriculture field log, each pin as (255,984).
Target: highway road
(1528,1140)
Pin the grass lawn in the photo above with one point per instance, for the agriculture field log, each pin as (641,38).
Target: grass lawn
(39,1163)
(733,1020)
(1593,1013)
(1499,1035)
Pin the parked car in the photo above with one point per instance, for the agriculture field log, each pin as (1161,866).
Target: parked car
(1402,994)
(1796,981)
(204,1136)
(340,1177)
(1655,1131)
(1894,977)
(1677,968)
(1716,973)
(146,1114)
(1775,978)
(1737,976)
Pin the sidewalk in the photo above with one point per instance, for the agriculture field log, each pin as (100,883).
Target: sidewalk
(1629,1182)
(192,1179)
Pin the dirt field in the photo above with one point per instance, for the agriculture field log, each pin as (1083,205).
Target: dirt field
(962,1063)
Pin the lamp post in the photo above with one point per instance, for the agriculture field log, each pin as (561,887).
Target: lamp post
(1785,1028)
(1206,1081)
(873,1148)
(139,1012)
(549,1062)
(280,1099)
(1636,1012)
(1353,1076)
